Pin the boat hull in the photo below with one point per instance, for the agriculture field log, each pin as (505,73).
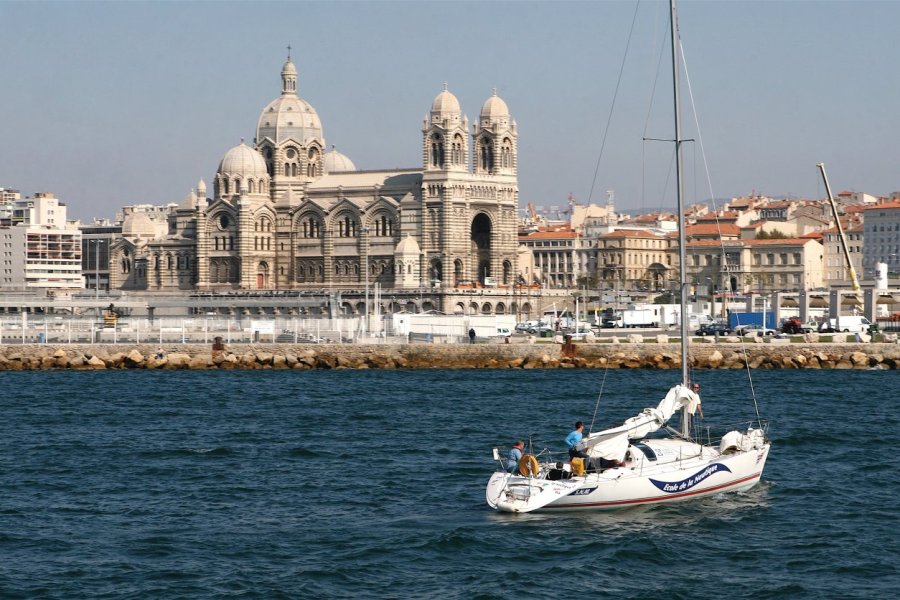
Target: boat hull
(624,487)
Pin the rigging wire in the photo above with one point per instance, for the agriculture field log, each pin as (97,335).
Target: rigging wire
(613,105)
(718,224)
(599,396)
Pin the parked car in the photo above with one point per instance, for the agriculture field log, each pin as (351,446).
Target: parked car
(753,330)
(521,327)
(714,329)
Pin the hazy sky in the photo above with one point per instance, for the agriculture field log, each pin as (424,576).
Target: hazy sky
(108,104)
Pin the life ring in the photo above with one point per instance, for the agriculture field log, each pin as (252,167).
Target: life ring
(528,464)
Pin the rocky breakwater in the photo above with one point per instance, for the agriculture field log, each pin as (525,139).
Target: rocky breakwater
(447,356)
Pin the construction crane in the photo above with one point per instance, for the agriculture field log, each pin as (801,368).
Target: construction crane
(846,250)
(533,213)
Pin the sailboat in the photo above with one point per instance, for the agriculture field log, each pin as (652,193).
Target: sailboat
(627,464)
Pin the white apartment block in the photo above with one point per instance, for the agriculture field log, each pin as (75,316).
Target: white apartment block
(38,248)
(882,236)
(36,257)
(836,272)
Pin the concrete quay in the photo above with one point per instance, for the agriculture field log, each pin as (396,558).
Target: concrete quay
(448,356)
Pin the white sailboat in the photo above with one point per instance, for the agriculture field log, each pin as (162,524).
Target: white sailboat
(631,468)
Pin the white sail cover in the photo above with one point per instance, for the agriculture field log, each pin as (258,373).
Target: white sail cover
(612,443)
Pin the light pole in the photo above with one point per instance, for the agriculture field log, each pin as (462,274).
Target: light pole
(96,265)
(365,231)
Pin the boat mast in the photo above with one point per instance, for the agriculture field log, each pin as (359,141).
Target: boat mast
(679,186)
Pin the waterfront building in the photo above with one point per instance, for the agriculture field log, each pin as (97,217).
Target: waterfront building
(286,212)
(881,236)
(554,252)
(760,266)
(633,259)
(39,249)
(837,273)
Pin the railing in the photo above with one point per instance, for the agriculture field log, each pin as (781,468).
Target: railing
(193,331)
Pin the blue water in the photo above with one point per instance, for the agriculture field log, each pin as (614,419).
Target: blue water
(347,484)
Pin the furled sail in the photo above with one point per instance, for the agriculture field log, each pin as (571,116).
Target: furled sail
(613,443)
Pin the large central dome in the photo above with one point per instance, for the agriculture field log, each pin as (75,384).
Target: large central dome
(289,116)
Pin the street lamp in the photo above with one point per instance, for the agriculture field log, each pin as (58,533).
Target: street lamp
(365,231)
(96,265)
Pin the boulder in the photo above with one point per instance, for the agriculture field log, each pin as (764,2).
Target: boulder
(134,359)
(95,362)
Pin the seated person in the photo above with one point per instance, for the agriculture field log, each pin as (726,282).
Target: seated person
(607,463)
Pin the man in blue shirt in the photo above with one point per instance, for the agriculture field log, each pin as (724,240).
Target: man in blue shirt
(573,439)
(514,456)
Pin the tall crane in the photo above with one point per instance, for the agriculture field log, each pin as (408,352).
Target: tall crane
(834,212)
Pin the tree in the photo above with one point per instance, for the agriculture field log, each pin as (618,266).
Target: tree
(771,235)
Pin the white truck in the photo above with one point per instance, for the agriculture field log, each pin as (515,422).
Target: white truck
(639,317)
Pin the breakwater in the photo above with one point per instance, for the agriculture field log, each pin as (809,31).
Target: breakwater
(449,356)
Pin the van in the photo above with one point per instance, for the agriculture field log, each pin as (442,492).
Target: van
(850,324)
(502,332)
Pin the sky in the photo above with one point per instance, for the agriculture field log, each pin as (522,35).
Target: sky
(118,103)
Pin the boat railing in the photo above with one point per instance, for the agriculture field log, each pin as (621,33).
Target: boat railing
(711,435)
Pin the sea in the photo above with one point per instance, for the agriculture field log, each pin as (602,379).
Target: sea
(370,484)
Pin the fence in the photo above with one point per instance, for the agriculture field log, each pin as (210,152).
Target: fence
(193,331)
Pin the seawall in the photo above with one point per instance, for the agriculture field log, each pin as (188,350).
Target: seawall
(450,356)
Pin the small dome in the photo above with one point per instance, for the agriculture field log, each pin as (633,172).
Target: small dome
(495,109)
(445,103)
(407,246)
(445,109)
(289,68)
(334,161)
(243,161)
(139,225)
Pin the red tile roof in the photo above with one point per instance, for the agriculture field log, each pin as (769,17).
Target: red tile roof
(623,233)
(891,204)
(549,235)
(712,229)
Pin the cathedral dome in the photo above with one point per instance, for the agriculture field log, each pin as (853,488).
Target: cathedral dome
(445,109)
(289,116)
(495,108)
(335,161)
(445,103)
(244,162)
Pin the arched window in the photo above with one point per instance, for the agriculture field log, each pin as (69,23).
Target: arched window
(437,151)
(225,185)
(287,169)
(506,154)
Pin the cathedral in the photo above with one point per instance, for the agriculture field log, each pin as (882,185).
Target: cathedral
(287,213)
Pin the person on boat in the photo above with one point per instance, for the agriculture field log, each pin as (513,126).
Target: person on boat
(696,389)
(572,441)
(514,456)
